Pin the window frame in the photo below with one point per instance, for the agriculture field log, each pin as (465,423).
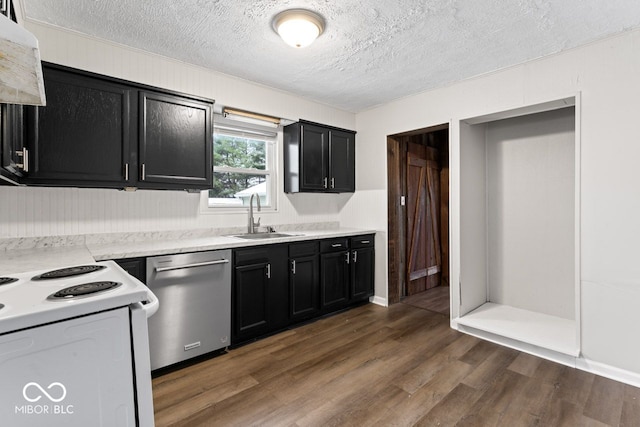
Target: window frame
(272,136)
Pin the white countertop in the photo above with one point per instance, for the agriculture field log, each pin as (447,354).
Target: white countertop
(20,260)
(24,260)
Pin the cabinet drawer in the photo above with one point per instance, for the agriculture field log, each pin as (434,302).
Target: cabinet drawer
(332,245)
(251,255)
(303,249)
(358,242)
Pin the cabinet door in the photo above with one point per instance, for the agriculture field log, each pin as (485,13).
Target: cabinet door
(304,287)
(362,273)
(82,136)
(314,158)
(176,141)
(11,141)
(250,301)
(334,280)
(342,161)
(137,267)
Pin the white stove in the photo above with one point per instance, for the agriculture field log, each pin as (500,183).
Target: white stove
(27,300)
(74,347)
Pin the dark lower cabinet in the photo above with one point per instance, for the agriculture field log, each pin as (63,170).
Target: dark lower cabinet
(275,286)
(362,267)
(260,303)
(137,267)
(334,280)
(304,280)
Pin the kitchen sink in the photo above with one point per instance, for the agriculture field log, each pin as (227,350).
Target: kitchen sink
(257,236)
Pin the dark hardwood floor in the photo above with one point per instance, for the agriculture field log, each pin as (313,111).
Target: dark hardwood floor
(434,299)
(396,366)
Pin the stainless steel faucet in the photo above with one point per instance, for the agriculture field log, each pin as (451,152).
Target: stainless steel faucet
(252,225)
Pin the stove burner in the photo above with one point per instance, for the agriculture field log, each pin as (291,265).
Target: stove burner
(69,272)
(7,280)
(83,290)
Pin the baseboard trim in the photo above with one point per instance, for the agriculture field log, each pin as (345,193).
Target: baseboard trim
(580,362)
(379,301)
(608,371)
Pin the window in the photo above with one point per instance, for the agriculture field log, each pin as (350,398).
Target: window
(243,164)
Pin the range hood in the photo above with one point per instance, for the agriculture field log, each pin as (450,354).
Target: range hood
(21,79)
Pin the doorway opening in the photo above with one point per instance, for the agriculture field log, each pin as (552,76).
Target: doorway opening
(418,218)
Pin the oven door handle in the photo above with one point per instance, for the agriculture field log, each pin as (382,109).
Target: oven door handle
(151,305)
(196,264)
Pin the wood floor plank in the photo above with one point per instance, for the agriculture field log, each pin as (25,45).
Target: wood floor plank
(525,364)
(562,413)
(412,409)
(495,400)
(530,404)
(630,415)
(486,372)
(605,401)
(574,385)
(452,408)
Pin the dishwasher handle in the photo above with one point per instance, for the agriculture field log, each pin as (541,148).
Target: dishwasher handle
(195,264)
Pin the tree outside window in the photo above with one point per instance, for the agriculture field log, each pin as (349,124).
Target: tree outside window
(241,168)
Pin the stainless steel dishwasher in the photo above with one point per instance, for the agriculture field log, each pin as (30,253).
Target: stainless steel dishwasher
(194,317)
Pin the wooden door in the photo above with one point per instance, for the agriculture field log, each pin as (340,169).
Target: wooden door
(423,241)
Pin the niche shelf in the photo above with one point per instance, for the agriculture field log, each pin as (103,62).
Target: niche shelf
(519,229)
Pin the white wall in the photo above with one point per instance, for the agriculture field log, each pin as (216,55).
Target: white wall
(606,73)
(530,212)
(28,212)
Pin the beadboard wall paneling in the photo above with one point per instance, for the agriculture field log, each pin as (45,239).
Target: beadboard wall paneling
(34,211)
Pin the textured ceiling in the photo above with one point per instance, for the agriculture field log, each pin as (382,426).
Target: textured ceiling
(372,51)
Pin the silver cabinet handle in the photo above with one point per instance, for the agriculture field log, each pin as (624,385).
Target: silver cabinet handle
(268,271)
(347,257)
(355,256)
(336,245)
(325,182)
(196,264)
(333,182)
(25,159)
(365,242)
(293,266)
(126,171)
(24,153)
(143,172)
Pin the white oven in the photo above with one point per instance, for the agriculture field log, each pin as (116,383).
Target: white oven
(74,348)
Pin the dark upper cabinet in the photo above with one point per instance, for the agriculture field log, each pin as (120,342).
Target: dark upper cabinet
(175,140)
(342,177)
(82,137)
(304,280)
(12,150)
(318,158)
(98,131)
(259,293)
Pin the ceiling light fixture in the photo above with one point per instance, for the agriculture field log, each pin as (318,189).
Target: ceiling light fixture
(298,27)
